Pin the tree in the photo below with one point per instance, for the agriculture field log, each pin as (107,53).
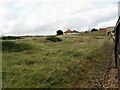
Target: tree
(93,30)
(59,32)
(86,31)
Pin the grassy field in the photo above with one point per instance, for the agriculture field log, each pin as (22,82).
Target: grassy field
(40,63)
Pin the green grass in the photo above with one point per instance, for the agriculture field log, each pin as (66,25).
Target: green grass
(55,64)
(11,46)
(53,39)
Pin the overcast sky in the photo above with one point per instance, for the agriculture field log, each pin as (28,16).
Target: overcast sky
(45,17)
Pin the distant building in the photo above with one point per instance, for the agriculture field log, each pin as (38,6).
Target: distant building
(110,29)
(68,31)
(74,31)
(71,31)
(107,30)
(102,29)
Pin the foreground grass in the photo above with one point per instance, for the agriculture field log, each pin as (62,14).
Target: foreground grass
(55,64)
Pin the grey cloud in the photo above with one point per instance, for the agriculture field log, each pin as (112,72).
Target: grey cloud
(90,15)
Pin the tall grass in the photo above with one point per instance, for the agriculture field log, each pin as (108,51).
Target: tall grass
(10,46)
(53,39)
(65,64)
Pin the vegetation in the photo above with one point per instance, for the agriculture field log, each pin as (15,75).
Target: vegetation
(10,37)
(53,39)
(93,30)
(61,64)
(59,32)
(11,46)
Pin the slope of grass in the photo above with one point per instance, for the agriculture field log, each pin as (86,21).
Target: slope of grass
(60,64)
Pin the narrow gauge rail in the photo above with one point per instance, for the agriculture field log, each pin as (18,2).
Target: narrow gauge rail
(117,49)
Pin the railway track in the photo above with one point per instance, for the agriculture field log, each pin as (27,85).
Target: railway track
(104,74)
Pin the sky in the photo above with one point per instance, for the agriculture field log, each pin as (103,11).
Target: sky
(45,17)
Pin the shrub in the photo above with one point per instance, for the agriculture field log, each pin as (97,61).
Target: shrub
(53,39)
(86,31)
(10,46)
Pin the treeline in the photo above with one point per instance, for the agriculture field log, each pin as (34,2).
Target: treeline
(10,37)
